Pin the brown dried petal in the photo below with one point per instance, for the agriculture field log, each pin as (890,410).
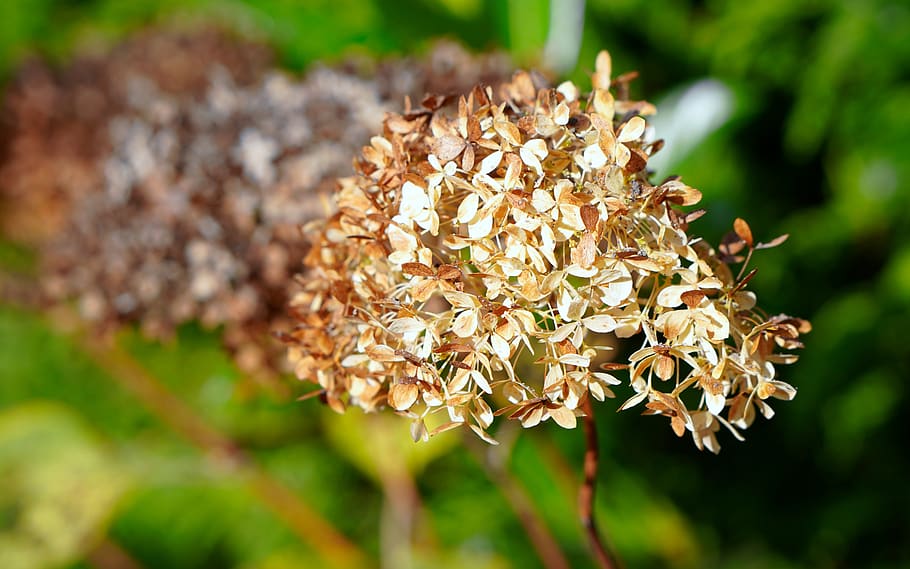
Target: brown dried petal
(692,298)
(467,158)
(680,194)
(731,244)
(664,367)
(590,216)
(424,290)
(678,425)
(603,68)
(449,273)
(743,230)
(638,160)
(417,269)
(382,353)
(508,131)
(586,251)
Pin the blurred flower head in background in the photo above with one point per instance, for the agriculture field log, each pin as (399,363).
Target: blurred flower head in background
(55,134)
(520,225)
(163,194)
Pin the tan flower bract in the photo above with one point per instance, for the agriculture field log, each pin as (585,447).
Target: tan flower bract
(487,249)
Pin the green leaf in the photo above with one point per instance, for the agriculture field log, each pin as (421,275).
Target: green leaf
(380,444)
(60,486)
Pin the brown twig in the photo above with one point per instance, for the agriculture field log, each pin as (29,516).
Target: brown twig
(401,513)
(587,491)
(493,460)
(108,554)
(307,524)
(399,517)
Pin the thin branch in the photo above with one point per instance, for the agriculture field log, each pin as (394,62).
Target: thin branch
(400,513)
(336,549)
(493,460)
(587,491)
(108,554)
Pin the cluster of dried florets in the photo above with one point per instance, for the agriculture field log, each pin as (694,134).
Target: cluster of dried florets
(191,208)
(523,225)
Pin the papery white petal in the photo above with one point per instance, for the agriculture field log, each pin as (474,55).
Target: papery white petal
(538,147)
(481,381)
(465,324)
(671,296)
(481,228)
(542,200)
(579,271)
(460,299)
(594,156)
(490,162)
(468,208)
(575,360)
(563,417)
(632,130)
(600,323)
(715,403)
(500,347)
(562,332)
(633,401)
(413,200)
(605,378)
(561,114)
(528,158)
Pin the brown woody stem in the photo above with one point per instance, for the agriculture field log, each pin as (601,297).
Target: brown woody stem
(400,517)
(494,461)
(587,491)
(335,549)
(108,554)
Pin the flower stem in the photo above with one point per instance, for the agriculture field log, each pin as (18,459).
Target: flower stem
(108,554)
(587,491)
(494,461)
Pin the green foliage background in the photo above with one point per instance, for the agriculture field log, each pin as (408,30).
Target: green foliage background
(817,147)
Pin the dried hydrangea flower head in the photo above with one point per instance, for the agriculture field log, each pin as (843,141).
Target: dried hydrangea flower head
(523,226)
(201,178)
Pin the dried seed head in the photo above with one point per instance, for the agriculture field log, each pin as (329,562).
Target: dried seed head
(540,199)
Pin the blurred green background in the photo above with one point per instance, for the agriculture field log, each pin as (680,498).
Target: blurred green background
(147,457)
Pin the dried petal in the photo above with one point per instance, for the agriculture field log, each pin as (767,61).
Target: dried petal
(563,417)
(417,269)
(402,396)
(742,229)
(632,130)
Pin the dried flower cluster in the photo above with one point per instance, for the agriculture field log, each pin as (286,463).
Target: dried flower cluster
(194,182)
(522,227)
